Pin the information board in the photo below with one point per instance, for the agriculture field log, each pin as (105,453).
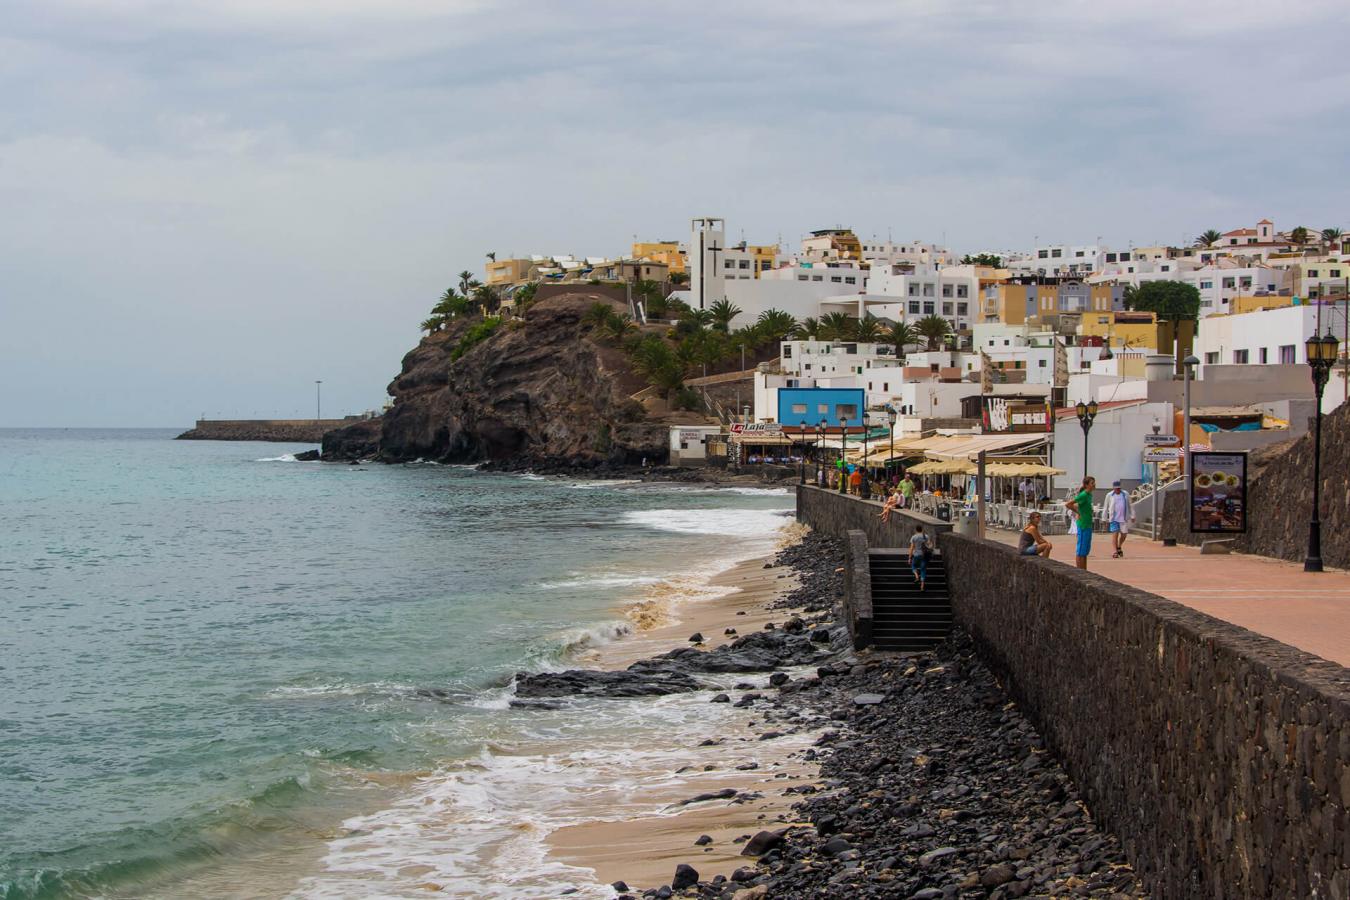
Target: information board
(1218,492)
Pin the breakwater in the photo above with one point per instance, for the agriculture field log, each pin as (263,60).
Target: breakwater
(299,431)
(1219,757)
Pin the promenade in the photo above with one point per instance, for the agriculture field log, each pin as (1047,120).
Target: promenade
(1310,611)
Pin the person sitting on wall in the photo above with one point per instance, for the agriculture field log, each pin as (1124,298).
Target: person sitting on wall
(892,501)
(1031,542)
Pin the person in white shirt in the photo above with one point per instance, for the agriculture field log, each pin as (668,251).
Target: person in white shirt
(1119,515)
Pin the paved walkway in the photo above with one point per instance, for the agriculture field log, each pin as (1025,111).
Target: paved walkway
(1308,610)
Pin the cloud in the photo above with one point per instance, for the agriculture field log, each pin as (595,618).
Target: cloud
(255,194)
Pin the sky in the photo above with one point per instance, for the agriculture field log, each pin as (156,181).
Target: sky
(206,205)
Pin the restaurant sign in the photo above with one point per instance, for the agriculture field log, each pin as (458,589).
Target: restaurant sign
(1218,492)
(756,428)
(1016,416)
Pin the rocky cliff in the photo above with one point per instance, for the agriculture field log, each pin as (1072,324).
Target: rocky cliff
(538,393)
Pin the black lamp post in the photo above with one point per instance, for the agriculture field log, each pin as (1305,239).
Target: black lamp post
(802,459)
(820,452)
(892,416)
(864,489)
(843,464)
(1321,357)
(1086,413)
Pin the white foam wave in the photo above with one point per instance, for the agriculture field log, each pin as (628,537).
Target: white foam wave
(600,581)
(730,522)
(339,689)
(530,476)
(602,483)
(285,457)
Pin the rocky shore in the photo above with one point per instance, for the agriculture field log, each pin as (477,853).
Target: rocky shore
(931,784)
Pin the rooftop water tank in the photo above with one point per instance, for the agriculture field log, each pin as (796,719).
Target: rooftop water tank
(1158,367)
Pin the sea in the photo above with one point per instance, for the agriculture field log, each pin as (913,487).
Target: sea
(227,673)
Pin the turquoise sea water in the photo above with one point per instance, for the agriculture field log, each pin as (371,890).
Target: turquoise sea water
(223,672)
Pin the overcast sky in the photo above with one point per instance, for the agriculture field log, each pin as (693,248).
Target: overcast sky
(207,204)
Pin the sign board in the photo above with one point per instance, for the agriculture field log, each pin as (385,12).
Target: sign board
(1161,440)
(756,428)
(1016,416)
(1218,492)
(1162,454)
(691,437)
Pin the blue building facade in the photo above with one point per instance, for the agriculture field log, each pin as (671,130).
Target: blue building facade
(811,406)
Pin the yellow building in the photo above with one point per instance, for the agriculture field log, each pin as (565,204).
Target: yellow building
(1245,304)
(1137,330)
(502,272)
(766,256)
(668,253)
(832,243)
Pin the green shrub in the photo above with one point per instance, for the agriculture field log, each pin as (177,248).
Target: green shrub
(476,334)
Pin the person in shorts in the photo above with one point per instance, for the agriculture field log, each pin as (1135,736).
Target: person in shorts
(918,555)
(1080,507)
(1031,542)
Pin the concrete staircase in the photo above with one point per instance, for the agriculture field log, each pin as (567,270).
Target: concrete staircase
(903,617)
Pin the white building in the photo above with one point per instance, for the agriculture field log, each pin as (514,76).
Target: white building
(912,252)
(707,244)
(1059,259)
(901,291)
(1225,279)
(819,359)
(1267,337)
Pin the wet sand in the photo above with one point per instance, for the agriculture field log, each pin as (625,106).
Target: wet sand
(644,851)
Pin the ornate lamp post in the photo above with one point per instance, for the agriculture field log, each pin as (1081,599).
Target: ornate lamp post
(820,453)
(802,459)
(864,489)
(1086,413)
(892,416)
(1322,353)
(843,446)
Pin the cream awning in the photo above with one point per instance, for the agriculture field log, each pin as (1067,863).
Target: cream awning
(970,446)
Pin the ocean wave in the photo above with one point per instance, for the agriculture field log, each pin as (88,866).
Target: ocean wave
(285,457)
(602,483)
(341,689)
(729,522)
(600,581)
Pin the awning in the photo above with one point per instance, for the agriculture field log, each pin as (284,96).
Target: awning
(1018,470)
(942,467)
(970,446)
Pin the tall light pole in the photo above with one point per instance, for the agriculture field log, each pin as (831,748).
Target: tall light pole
(1321,353)
(894,417)
(802,461)
(864,489)
(1187,375)
(318,400)
(820,453)
(843,446)
(1086,413)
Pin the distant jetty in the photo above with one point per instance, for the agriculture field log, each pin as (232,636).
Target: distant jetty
(291,431)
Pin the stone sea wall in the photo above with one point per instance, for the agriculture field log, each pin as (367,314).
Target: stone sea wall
(1220,758)
(836,514)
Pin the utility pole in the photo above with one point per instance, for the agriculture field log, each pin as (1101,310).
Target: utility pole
(318,404)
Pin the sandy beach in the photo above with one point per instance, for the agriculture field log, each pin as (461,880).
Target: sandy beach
(644,851)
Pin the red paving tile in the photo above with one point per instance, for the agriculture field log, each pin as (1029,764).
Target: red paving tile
(1307,610)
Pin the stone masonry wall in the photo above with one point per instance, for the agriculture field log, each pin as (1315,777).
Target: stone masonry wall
(296,431)
(1219,757)
(1279,499)
(836,514)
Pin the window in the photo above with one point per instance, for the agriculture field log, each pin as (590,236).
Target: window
(1212,358)
(961,308)
(1056,253)
(1206,285)
(729,277)
(886,386)
(1263,356)
(817,277)
(745,264)
(1335,273)
(1042,254)
(914,307)
(1167,268)
(1110,257)
(1229,283)
(1239,357)
(1312,273)
(1040,363)
(846,411)
(837,279)
(914,290)
(962,290)
(799,409)
(729,264)
(1078,253)
(1130,269)
(787,351)
(946,309)
(928,308)
(1103,320)
(822,409)
(1287,355)
(801,277)
(946,290)
(928,289)
(850,279)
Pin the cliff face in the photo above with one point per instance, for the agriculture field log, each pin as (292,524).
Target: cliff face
(538,392)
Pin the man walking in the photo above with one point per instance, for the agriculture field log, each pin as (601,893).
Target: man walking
(907,491)
(1080,506)
(1119,515)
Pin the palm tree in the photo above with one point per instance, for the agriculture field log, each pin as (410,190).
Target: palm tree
(654,360)
(1299,235)
(451,305)
(723,311)
(868,329)
(1208,238)
(903,336)
(806,329)
(487,298)
(1331,236)
(465,282)
(492,255)
(433,324)
(836,326)
(775,325)
(933,329)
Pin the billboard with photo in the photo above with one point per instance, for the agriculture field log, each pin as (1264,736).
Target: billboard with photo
(1218,492)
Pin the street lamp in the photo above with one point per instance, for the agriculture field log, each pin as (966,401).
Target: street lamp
(1086,413)
(820,453)
(318,405)
(843,446)
(1187,375)
(864,489)
(893,416)
(801,462)
(1322,353)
